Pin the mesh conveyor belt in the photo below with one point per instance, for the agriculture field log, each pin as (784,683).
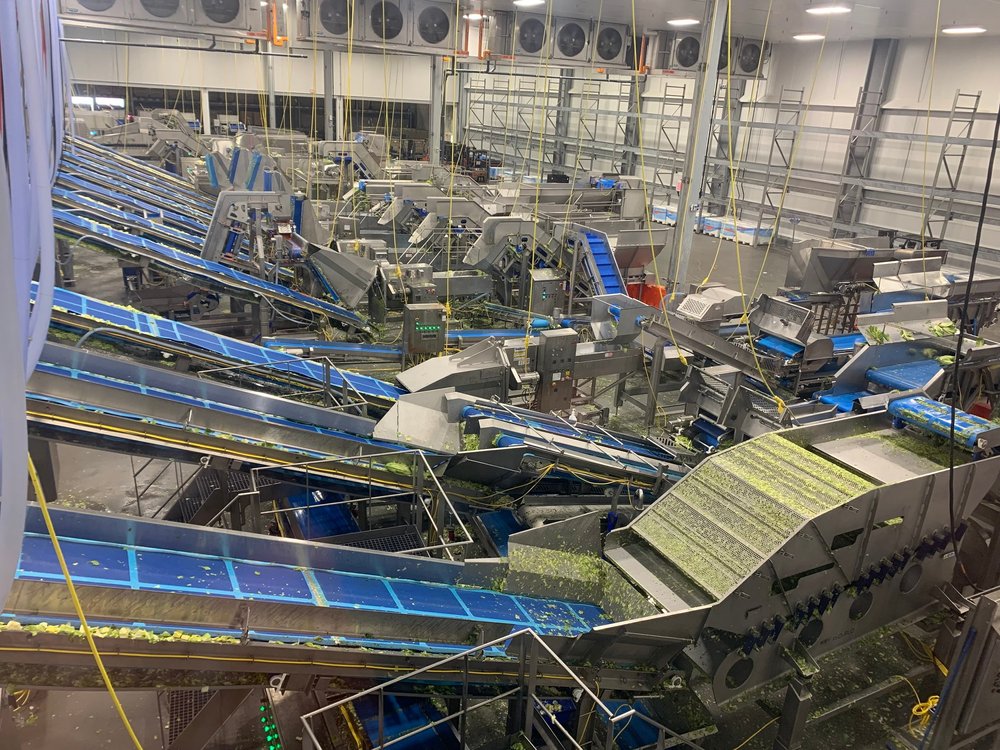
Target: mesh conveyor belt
(731,513)
(188,400)
(145,569)
(178,261)
(233,349)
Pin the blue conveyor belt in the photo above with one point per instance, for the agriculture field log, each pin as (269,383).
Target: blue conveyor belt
(500,524)
(111,178)
(129,170)
(187,400)
(843,401)
(935,417)
(617,441)
(394,716)
(905,376)
(167,571)
(333,347)
(775,345)
(846,342)
(484,333)
(233,349)
(317,517)
(77,202)
(606,265)
(214,273)
(133,203)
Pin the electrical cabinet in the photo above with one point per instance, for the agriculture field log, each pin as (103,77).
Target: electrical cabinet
(555,362)
(423,328)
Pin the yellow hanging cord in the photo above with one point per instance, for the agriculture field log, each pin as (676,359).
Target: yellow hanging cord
(649,219)
(451,179)
(791,158)
(313,135)
(40,496)
(538,183)
(927,137)
(746,142)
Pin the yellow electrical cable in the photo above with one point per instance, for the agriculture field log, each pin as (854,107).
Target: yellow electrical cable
(452,167)
(746,142)
(358,742)
(649,222)
(273,662)
(927,137)
(761,729)
(791,158)
(40,497)
(538,177)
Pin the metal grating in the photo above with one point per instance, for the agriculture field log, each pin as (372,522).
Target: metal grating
(393,539)
(182,707)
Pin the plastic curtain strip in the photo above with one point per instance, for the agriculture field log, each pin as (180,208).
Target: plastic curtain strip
(32,127)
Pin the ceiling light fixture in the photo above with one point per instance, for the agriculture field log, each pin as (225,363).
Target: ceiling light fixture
(963,30)
(684,22)
(528,3)
(808,37)
(473,16)
(829,9)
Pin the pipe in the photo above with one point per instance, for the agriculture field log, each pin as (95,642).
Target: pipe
(186,49)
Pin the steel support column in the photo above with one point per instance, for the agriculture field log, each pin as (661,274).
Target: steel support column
(631,140)
(272,105)
(689,200)
(726,127)
(862,144)
(436,110)
(329,113)
(563,103)
(206,114)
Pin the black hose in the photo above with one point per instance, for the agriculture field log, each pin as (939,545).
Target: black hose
(963,325)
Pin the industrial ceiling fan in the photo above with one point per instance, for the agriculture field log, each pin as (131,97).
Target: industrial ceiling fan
(433,25)
(335,15)
(221,11)
(571,39)
(531,35)
(609,43)
(387,20)
(687,52)
(161,8)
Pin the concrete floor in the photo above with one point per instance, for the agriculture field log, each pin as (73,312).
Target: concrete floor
(84,720)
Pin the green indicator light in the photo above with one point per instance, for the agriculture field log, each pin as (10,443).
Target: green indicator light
(263,708)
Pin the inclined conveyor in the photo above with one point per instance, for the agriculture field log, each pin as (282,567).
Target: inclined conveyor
(86,310)
(215,275)
(157,575)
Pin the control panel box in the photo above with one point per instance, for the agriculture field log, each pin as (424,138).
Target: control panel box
(547,291)
(423,328)
(555,362)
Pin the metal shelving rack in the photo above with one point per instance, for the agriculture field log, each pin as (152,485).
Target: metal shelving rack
(665,118)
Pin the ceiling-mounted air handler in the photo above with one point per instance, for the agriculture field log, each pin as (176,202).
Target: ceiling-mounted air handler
(571,39)
(386,23)
(434,25)
(222,18)
(330,20)
(95,9)
(683,52)
(609,44)
(167,11)
(531,36)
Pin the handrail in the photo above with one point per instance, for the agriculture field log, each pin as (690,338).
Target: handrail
(614,718)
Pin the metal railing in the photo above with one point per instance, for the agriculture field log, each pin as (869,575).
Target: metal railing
(426,492)
(528,709)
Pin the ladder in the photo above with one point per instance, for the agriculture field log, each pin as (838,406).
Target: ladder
(941,194)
